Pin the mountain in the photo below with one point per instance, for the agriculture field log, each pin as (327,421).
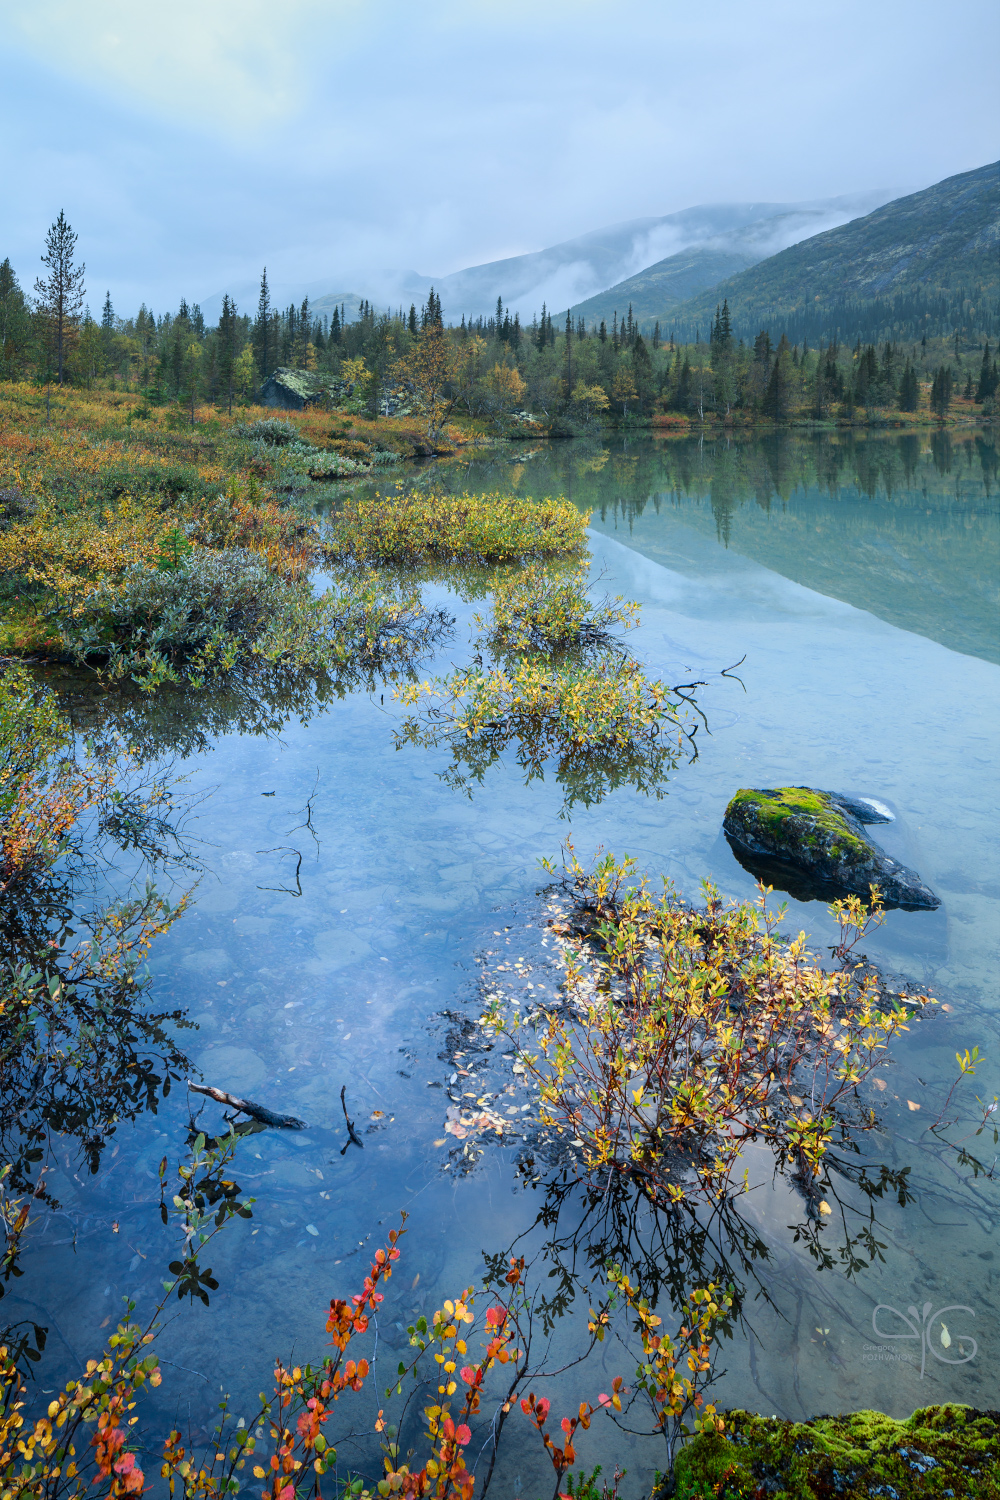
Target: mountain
(663,285)
(577,269)
(927,255)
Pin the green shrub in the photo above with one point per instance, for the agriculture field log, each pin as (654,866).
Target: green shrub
(220,611)
(270,430)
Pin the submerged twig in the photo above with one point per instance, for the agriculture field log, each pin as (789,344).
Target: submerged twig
(352,1134)
(248,1107)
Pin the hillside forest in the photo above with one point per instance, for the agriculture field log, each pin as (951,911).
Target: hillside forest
(557,375)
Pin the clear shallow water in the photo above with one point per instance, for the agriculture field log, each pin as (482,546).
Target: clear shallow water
(364,979)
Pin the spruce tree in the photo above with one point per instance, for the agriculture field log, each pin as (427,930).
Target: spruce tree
(909,388)
(642,371)
(775,403)
(60,293)
(15,322)
(228,337)
(263,344)
(941,392)
(682,399)
(987,383)
(656,334)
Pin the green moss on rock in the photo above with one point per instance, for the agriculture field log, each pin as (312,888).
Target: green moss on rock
(948,1450)
(796,814)
(819,834)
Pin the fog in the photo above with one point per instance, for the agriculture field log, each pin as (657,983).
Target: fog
(191,144)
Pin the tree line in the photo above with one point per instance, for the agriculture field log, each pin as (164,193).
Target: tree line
(567,374)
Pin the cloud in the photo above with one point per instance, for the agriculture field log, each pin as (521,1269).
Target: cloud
(192,142)
(227,64)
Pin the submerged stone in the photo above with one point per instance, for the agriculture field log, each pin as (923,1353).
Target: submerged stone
(813,844)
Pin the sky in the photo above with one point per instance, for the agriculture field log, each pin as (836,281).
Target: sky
(191,143)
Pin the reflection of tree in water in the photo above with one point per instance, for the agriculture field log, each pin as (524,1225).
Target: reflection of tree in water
(81,1050)
(941,450)
(585,1228)
(185,721)
(989,459)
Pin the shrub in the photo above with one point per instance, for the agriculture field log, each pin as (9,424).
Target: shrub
(207,599)
(604,722)
(685,1034)
(536,610)
(14,506)
(42,792)
(270,430)
(220,611)
(465,528)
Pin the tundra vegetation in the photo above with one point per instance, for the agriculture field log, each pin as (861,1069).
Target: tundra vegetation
(175,559)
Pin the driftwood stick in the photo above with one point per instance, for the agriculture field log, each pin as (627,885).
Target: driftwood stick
(352,1135)
(248,1107)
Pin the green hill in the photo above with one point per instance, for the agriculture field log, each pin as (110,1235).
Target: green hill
(929,262)
(662,286)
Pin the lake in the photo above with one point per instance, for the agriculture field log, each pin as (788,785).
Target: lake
(350,900)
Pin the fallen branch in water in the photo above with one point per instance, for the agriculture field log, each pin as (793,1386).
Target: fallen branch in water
(248,1107)
(351,1132)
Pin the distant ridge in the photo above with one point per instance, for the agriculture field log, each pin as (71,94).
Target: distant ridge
(564,274)
(930,260)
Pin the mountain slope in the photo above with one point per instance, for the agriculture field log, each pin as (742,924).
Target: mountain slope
(563,274)
(939,243)
(662,286)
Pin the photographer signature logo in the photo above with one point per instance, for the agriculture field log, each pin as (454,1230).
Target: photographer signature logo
(931,1331)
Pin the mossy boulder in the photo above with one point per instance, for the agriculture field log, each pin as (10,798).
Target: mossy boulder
(940,1450)
(292,390)
(813,844)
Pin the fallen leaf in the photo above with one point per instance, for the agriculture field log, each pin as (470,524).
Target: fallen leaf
(948,1008)
(796,1100)
(441,1142)
(911,1105)
(825,1208)
(311,1229)
(377,1114)
(880,1083)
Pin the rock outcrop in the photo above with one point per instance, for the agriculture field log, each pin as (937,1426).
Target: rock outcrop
(816,841)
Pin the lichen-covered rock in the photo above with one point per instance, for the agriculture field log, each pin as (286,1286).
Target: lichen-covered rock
(820,836)
(940,1450)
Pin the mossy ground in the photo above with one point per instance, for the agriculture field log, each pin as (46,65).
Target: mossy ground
(940,1450)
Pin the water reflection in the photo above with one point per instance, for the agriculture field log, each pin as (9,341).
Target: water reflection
(355,981)
(902,524)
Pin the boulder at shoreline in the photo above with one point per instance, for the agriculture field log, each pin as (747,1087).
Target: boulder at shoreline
(818,838)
